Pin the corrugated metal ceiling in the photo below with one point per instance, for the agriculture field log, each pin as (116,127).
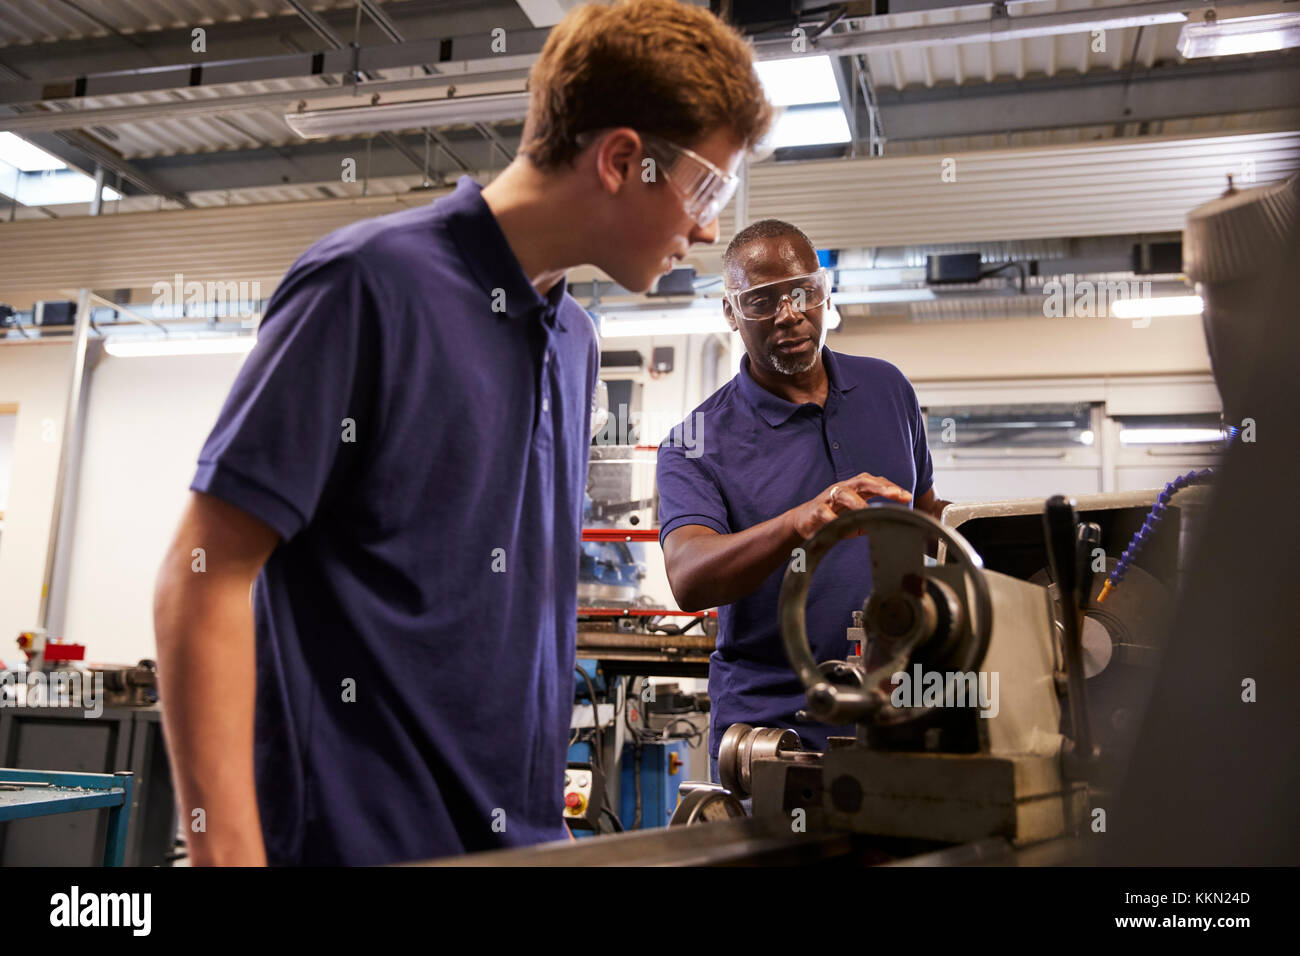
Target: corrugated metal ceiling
(39,21)
(207,199)
(1033,56)
(1195,126)
(209,132)
(49,21)
(29,21)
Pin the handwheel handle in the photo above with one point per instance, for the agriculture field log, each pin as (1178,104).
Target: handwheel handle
(832,703)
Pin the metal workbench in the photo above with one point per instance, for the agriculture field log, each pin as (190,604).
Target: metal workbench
(25,794)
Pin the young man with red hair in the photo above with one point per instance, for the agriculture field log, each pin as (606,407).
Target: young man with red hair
(400,467)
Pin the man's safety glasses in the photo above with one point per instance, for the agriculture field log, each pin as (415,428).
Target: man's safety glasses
(762,302)
(705,189)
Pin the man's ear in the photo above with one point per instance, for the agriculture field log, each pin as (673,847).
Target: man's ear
(729,315)
(617,158)
(831,317)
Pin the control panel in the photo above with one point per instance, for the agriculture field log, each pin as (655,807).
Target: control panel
(584,795)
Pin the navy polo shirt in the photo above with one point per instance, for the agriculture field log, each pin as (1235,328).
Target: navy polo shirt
(744,457)
(414,423)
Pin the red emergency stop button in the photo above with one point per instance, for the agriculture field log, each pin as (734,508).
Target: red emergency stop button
(573,800)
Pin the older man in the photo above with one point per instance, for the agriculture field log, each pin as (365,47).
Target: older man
(799,436)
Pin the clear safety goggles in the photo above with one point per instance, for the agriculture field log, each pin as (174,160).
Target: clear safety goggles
(762,302)
(704,189)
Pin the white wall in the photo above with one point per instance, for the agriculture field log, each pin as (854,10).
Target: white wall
(667,398)
(8,426)
(1162,367)
(995,349)
(35,377)
(146,420)
(1030,348)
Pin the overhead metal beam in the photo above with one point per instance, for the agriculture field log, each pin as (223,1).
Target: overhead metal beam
(84,152)
(995,27)
(467,56)
(381,20)
(395,143)
(473,53)
(441,140)
(329,36)
(870,104)
(317,25)
(114,162)
(1174,91)
(491,136)
(279,100)
(857,96)
(470,57)
(319,161)
(1206,88)
(258,36)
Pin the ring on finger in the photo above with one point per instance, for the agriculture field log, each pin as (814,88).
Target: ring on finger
(831,498)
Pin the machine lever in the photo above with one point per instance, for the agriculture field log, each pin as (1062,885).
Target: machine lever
(1064,541)
(1060,526)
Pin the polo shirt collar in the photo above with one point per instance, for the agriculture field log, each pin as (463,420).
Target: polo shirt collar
(489,257)
(775,410)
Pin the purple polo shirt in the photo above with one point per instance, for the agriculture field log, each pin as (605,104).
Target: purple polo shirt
(743,457)
(413,422)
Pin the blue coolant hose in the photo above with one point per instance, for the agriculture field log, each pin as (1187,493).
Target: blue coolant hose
(1154,517)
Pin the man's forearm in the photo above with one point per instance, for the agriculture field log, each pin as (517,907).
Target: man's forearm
(206,669)
(716,569)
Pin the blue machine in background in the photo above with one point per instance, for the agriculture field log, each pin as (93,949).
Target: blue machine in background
(610,573)
(663,766)
(583,756)
(630,781)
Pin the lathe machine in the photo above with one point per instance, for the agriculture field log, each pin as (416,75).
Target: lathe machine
(975,740)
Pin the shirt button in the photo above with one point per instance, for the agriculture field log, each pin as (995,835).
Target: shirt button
(546,405)
(835,445)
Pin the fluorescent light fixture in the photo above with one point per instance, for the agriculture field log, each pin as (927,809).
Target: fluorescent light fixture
(412,114)
(1277,31)
(1169,436)
(692,321)
(810,126)
(799,80)
(1148,308)
(27,157)
(875,278)
(696,321)
(866,297)
(136,346)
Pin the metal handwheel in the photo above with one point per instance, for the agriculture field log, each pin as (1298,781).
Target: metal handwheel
(941,615)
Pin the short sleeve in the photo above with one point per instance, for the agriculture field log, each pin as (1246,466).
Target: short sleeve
(920,446)
(688,492)
(299,408)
